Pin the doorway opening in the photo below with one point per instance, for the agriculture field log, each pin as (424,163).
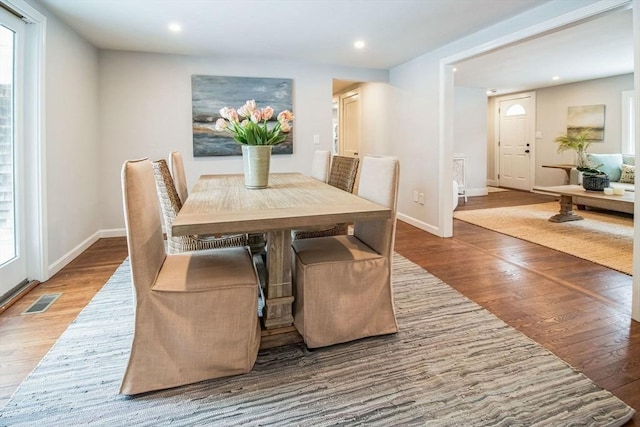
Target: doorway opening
(347,118)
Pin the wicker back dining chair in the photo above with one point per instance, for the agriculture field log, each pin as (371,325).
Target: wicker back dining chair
(343,283)
(342,175)
(196,315)
(171,204)
(343,172)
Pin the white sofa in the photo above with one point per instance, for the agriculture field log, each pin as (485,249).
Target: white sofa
(613,165)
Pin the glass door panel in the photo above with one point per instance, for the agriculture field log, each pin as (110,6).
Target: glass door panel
(12,260)
(7,206)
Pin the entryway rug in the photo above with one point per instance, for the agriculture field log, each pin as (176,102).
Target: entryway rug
(451,364)
(606,239)
(495,189)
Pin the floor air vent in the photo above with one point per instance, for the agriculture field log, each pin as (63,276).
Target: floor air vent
(42,304)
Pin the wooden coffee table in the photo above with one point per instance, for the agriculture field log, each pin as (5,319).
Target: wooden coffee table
(623,203)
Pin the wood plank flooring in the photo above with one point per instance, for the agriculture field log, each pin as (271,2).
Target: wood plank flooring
(26,338)
(577,309)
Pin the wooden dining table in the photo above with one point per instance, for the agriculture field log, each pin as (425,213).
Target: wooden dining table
(221,204)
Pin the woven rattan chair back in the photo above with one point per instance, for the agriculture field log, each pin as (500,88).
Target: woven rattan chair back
(170,205)
(343,172)
(343,176)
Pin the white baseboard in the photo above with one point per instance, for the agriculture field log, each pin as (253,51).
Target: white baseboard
(492,182)
(472,192)
(121,232)
(72,254)
(419,224)
(83,246)
(114,232)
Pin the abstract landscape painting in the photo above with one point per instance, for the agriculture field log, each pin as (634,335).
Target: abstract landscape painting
(588,117)
(211,93)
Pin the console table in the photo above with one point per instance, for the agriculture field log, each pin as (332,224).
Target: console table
(565,167)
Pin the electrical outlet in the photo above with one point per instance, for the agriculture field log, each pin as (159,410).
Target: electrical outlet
(316,139)
(421,198)
(415,196)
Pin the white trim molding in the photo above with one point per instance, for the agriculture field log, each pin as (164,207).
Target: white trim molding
(418,224)
(34,138)
(570,18)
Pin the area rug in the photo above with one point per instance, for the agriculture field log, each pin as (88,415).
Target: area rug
(606,239)
(452,363)
(495,189)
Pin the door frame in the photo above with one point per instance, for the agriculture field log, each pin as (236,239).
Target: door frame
(446,89)
(446,92)
(349,93)
(34,153)
(496,134)
(14,270)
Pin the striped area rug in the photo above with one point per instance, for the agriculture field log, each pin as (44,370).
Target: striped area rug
(452,364)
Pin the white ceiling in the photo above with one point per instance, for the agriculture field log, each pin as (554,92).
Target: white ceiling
(323,32)
(600,47)
(320,31)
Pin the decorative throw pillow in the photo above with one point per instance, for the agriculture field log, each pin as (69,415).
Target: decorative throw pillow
(628,174)
(607,163)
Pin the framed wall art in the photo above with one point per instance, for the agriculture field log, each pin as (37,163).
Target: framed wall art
(588,117)
(211,93)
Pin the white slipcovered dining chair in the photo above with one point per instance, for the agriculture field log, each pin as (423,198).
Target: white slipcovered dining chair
(171,204)
(195,312)
(342,283)
(342,175)
(320,165)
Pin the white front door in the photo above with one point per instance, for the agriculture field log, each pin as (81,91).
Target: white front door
(515,140)
(13,265)
(350,127)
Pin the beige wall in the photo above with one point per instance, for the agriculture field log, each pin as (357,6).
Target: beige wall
(71,143)
(469,136)
(417,101)
(551,117)
(103,107)
(552,104)
(145,111)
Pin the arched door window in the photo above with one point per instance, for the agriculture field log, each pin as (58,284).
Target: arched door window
(515,110)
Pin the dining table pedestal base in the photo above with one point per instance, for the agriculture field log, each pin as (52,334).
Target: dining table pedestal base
(278,290)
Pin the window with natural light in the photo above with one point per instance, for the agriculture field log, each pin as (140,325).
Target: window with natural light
(515,110)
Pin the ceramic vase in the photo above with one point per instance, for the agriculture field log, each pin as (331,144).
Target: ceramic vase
(256,160)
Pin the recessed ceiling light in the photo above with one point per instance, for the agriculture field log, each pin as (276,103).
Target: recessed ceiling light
(555,78)
(359,44)
(174,27)
(455,69)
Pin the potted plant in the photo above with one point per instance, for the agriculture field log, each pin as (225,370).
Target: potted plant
(249,126)
(578,141)
(594,179)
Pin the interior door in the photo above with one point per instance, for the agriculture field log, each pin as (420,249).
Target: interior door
(350,126)
(13,265)
(515,139)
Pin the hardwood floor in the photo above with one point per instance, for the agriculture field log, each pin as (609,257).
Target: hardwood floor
(577,309)
(26,338)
